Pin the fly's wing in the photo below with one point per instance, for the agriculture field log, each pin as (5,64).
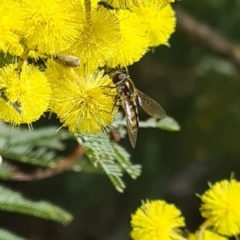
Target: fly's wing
(150,106)
(131,112)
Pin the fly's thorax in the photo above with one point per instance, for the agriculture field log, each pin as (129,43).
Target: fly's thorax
(127,88)
(130,88)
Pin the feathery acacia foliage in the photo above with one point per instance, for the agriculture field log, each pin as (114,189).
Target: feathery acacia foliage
(6,235)
(71,42)
(75,39)
(14,202)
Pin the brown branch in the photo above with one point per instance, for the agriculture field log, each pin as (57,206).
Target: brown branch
(63,165)
(202,34)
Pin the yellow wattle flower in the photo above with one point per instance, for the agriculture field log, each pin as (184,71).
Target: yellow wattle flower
(51,26)
(156,220)
(83,100)
(160,22)
(221,207)
(25,98)
(133,42)
(10,26)
(99,39)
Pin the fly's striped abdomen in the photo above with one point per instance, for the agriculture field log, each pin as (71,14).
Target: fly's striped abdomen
(132,119)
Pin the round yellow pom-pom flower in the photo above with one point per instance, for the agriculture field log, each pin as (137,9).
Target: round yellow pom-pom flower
(10,24)
(51,26)
(156,220)
(206,235)
(83,100)
(133,42)
(221,207)
(161,22)
(99,39)
(23,98)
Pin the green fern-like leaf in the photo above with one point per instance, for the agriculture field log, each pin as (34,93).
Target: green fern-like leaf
(15,202)
(6,171)
(6,235)
(84,165)
(123,159)
(39,147)
(112,159)
(169,124)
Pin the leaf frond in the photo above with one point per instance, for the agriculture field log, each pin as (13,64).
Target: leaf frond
(168,124)
(108,156)
(6,171)
(12,201)
(6,235)
(39,147)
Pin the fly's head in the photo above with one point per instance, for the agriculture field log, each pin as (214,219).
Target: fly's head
(119,76)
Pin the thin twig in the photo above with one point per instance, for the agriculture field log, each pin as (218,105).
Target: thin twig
(204,35)
(63,165)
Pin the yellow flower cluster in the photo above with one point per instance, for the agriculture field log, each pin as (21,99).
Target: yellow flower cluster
(221,207)
(157,219)
(98,33)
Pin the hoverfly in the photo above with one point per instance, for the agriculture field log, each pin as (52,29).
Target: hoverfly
(129,95)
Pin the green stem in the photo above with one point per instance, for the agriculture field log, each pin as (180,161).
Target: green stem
(22,59)
(202,228)
(88,10)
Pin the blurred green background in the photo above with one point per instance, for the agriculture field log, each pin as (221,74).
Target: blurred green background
(198,88)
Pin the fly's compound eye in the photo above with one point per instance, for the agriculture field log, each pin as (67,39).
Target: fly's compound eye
(118,78)
(122,76)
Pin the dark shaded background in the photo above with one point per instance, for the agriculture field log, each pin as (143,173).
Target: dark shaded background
(197,87)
